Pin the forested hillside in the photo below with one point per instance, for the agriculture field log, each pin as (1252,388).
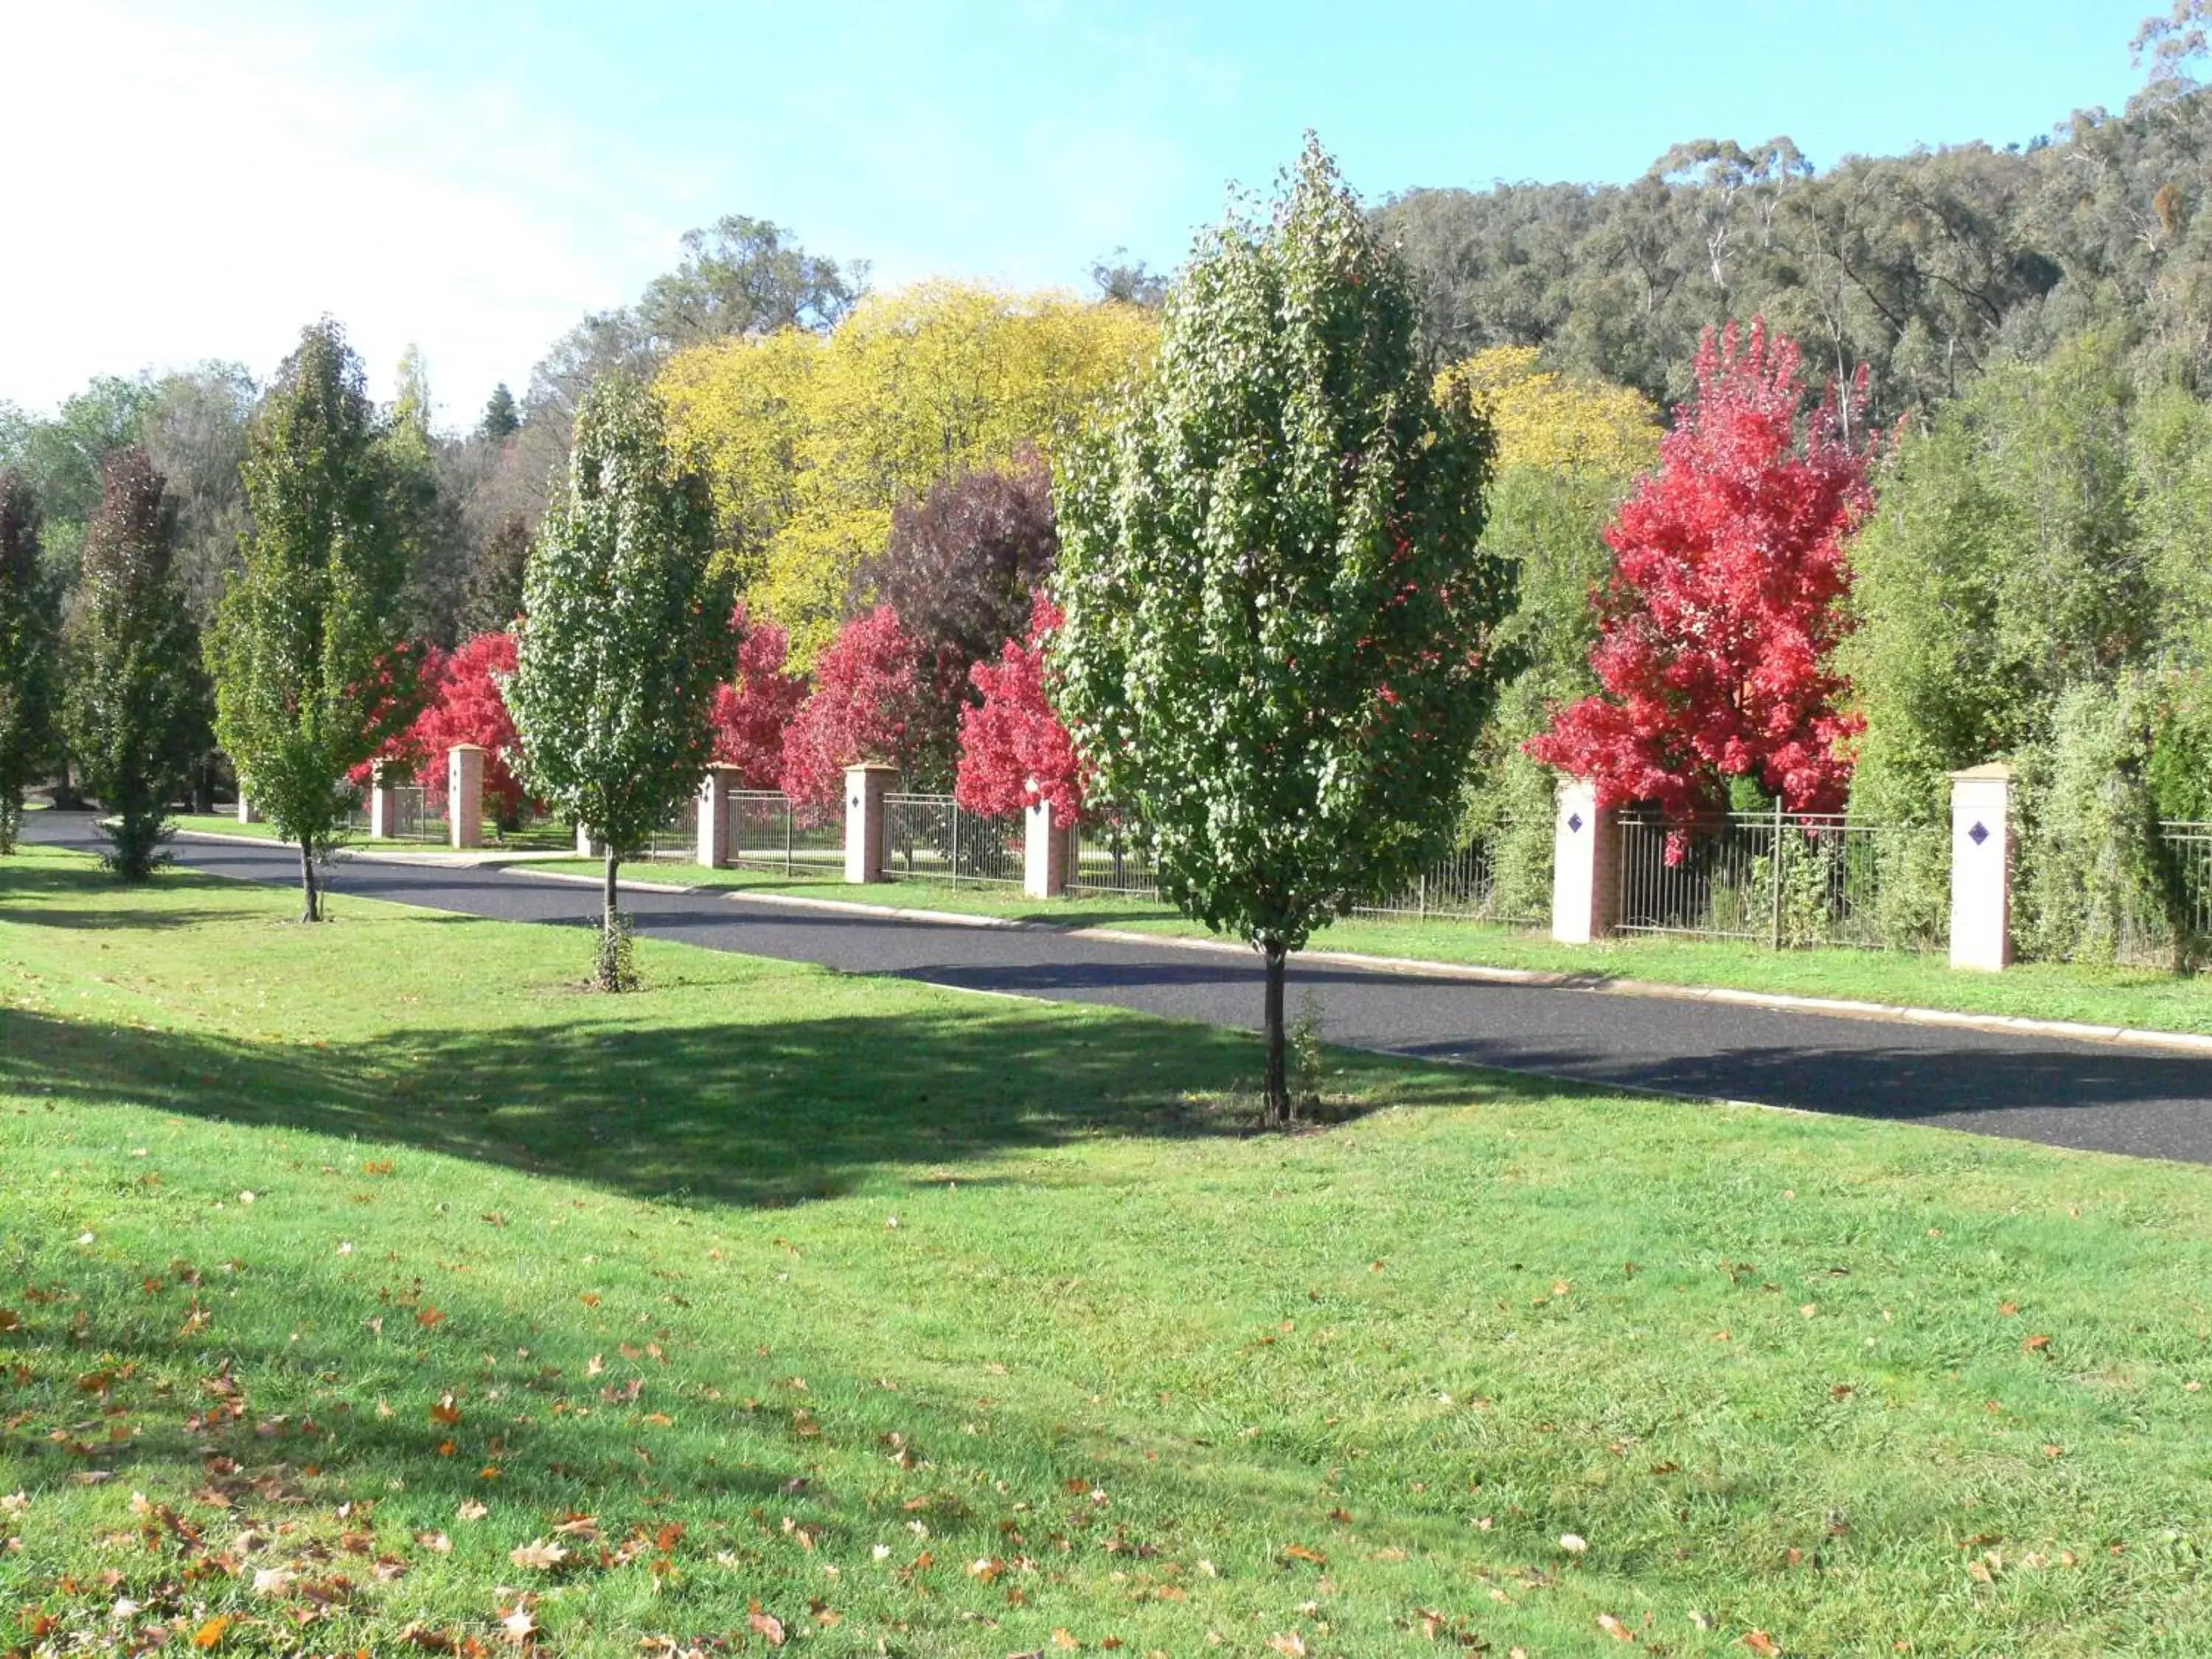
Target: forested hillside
(1926,267)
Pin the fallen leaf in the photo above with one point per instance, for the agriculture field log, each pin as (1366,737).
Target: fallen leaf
(1763,1644)
(1613,1627)
(272,1581)
(436,1543)
(429,1319)
(446,1411)
(1301,1553)
(2035,1345)
(537,1554)
(1573,1543)
(211,1632)
(766,1626)
(471,1510)
(1289,1643)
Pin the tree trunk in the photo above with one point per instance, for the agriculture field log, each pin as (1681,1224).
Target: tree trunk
(607,895)
(312,907)
(1278,1083)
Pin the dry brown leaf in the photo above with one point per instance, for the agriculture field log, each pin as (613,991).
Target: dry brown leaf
(1762,1644)
(766,1626)
(1613,1627)
(538,1554)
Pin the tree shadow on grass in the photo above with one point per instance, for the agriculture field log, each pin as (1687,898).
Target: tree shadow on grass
(760,1114)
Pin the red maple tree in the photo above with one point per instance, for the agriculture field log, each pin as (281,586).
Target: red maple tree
(404,754)
(1723,611)
(872,701)
(1014,752)
(468,707)
(752,712)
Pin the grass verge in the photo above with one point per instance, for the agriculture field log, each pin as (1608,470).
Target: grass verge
(369,1279)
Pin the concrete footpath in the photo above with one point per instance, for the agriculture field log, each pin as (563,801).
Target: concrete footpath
(2141,1100)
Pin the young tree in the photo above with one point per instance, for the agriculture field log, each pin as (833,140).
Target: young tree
(1726,602)
(138,702)
(620,641)
(27,638)
(872,700)
(309,683)
(1014,752)
(1278,614)
(753,711)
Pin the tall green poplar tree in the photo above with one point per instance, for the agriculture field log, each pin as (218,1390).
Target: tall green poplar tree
(1278,646)
(311,679)
(622,638)
(27,643)
(136,707)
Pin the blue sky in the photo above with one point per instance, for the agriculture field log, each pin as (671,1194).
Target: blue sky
(200,180)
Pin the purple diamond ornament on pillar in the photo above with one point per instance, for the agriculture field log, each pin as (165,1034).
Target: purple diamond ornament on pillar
(1574,822)
(1977,834)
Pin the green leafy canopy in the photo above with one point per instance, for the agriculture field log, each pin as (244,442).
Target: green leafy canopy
(621,638)
(1279,645)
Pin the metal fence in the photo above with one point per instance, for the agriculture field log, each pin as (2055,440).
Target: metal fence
(1782,878)
(768,831)
(679,835)
(2172,906)
(933,838)
(1113,859)
(412,818)
(1462,886)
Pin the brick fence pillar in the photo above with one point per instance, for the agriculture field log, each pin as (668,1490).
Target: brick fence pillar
(1047,849)
(1981,867)
(715,815)
(383,804)
(464,768)
(1585,866)
(865,786)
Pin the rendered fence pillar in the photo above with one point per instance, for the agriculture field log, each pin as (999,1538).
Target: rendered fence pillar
(1585,866)
(1981,867)
(715,815)
(383,805)
(464,768)
(865,786)
(1046,853)
(586,847)
(247,812)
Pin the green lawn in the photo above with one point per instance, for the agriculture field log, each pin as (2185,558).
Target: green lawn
(349,1273)
(2139,998)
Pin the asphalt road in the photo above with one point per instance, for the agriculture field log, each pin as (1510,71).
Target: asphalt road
(2083,1094)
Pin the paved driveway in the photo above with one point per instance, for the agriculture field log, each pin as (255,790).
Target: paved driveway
(2062,1093)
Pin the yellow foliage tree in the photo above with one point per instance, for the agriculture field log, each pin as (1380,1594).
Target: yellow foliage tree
(807,440)
(1548,421)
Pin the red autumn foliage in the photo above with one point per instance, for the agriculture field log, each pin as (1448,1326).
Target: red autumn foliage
(751,712)
(873,699)
(1725,605)
(1012,739)
(427,665)
(468,708)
